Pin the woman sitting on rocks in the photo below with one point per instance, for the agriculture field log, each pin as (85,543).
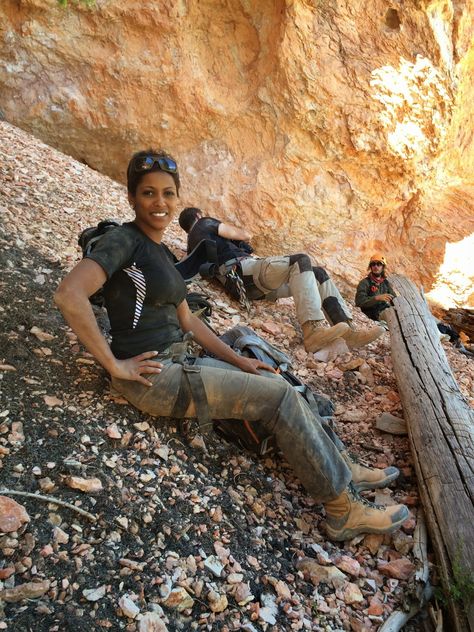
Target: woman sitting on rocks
(149,365)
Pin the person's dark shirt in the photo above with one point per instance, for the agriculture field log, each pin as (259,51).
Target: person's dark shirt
(227,249)
(142,291)
(367,290)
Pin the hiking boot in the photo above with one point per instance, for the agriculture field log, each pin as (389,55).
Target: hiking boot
(358,338)
(369,477)
(316,335)
(349,514)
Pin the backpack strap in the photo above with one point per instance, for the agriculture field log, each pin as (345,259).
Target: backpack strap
(194,383)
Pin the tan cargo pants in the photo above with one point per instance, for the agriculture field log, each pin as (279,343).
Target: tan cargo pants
(233,394)
(315,294)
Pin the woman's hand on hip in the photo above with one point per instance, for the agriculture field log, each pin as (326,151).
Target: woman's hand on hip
(252,365)
(134,368)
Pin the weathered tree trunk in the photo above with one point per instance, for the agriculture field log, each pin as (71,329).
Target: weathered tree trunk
(441,432)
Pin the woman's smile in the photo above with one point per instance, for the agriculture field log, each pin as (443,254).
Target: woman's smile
(155,203)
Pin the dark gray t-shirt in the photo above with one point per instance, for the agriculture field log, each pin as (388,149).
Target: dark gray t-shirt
(142,291)
(207,228)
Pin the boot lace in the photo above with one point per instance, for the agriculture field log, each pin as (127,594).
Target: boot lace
(358,498)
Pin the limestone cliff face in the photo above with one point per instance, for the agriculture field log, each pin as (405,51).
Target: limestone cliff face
(332,127)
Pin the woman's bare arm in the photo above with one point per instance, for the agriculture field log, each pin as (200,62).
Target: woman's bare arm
(72,298)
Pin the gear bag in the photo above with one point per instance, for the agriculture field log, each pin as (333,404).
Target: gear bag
(252,435)
(87,241)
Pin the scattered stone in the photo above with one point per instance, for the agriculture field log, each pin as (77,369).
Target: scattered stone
(41,335)
(392,424)
(271,328)
(318,573)
(351,365)
(60,536)
(373,542)
(375,607)
(213,564)
(367,374)
(12,515)
(352,594)
(46,484)
(354,415)
(217,602)
(89,485)
(128,606)
(178,599)
(269,611)
(94,594)
(51,400)
(402,542)
(282,590)
(113,432)
(242,594)
(334,349)
(30,590)
(398,569)
(348,565)
(152,622)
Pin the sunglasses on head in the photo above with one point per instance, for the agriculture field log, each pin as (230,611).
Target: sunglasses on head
(376,263)
(145,163)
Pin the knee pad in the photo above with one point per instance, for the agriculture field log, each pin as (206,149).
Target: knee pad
(320,274)
(303,261)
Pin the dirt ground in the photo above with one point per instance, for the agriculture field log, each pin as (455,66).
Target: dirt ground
(193,531)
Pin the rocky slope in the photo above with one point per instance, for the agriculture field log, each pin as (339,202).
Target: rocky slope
(182,533)
(336,128)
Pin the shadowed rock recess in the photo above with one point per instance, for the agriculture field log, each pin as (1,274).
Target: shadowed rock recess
(343,126)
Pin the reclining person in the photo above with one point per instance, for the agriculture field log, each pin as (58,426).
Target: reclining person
(152,368)
(374,293)
(270,278)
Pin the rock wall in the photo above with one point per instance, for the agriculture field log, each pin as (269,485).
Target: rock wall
(335,127)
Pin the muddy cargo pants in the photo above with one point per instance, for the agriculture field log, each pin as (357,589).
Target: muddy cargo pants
(315,294)
(233,394)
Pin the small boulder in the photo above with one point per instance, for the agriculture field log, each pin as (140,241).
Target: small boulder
(12,515)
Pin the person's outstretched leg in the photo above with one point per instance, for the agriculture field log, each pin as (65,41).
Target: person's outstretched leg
(292,276)
(308,448)
(337,311)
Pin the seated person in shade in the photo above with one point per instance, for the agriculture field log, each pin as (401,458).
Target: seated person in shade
(374,293)
(151,366)
(316,297)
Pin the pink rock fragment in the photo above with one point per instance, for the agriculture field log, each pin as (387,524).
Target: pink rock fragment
(271,328)
(399,569)
(89,485)
(12,515)
(348,565)
(352,594)
(30,590)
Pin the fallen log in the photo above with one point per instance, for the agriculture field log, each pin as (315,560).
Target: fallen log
(441,432)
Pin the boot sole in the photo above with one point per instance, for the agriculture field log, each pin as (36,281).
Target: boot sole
(363,486)
(348,534)
(367,341)
(312,345)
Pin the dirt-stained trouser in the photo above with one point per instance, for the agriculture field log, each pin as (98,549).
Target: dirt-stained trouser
(233,394)
(315,294)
